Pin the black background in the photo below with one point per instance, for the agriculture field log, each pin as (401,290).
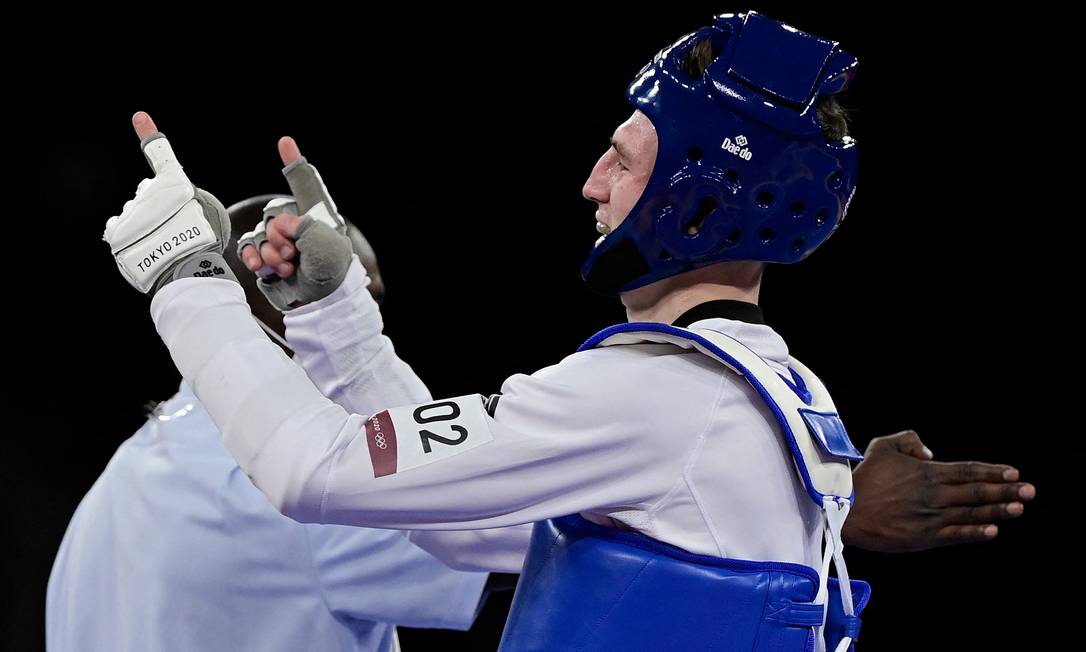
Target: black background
(458,140)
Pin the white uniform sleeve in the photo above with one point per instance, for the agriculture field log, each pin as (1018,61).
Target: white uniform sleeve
(339,343)
(495,550)
(377,575)
(559,443)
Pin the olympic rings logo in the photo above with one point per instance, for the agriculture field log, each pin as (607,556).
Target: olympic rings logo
(379,439)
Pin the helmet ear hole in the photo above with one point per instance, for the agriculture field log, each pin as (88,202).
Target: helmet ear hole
(705,209)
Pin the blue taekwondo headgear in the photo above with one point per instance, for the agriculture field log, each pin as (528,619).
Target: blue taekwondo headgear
(743,170)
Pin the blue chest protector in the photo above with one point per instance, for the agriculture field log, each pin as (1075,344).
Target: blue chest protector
(589,587)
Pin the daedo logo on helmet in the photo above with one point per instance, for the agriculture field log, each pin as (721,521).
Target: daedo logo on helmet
(738,147)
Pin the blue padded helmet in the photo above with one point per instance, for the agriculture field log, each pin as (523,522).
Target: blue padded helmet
(743,170)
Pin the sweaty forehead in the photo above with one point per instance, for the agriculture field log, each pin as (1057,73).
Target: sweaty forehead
(635,137)
(627,129)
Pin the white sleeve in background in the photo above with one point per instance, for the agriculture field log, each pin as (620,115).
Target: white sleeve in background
(552,449)
(375,575)
(339,342)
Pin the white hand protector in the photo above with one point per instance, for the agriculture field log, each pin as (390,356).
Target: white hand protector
(171,229)
(324,250)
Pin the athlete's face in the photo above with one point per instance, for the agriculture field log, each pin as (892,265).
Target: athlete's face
(621,174)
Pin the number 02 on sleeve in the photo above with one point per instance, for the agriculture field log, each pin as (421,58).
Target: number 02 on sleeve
(406,437)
